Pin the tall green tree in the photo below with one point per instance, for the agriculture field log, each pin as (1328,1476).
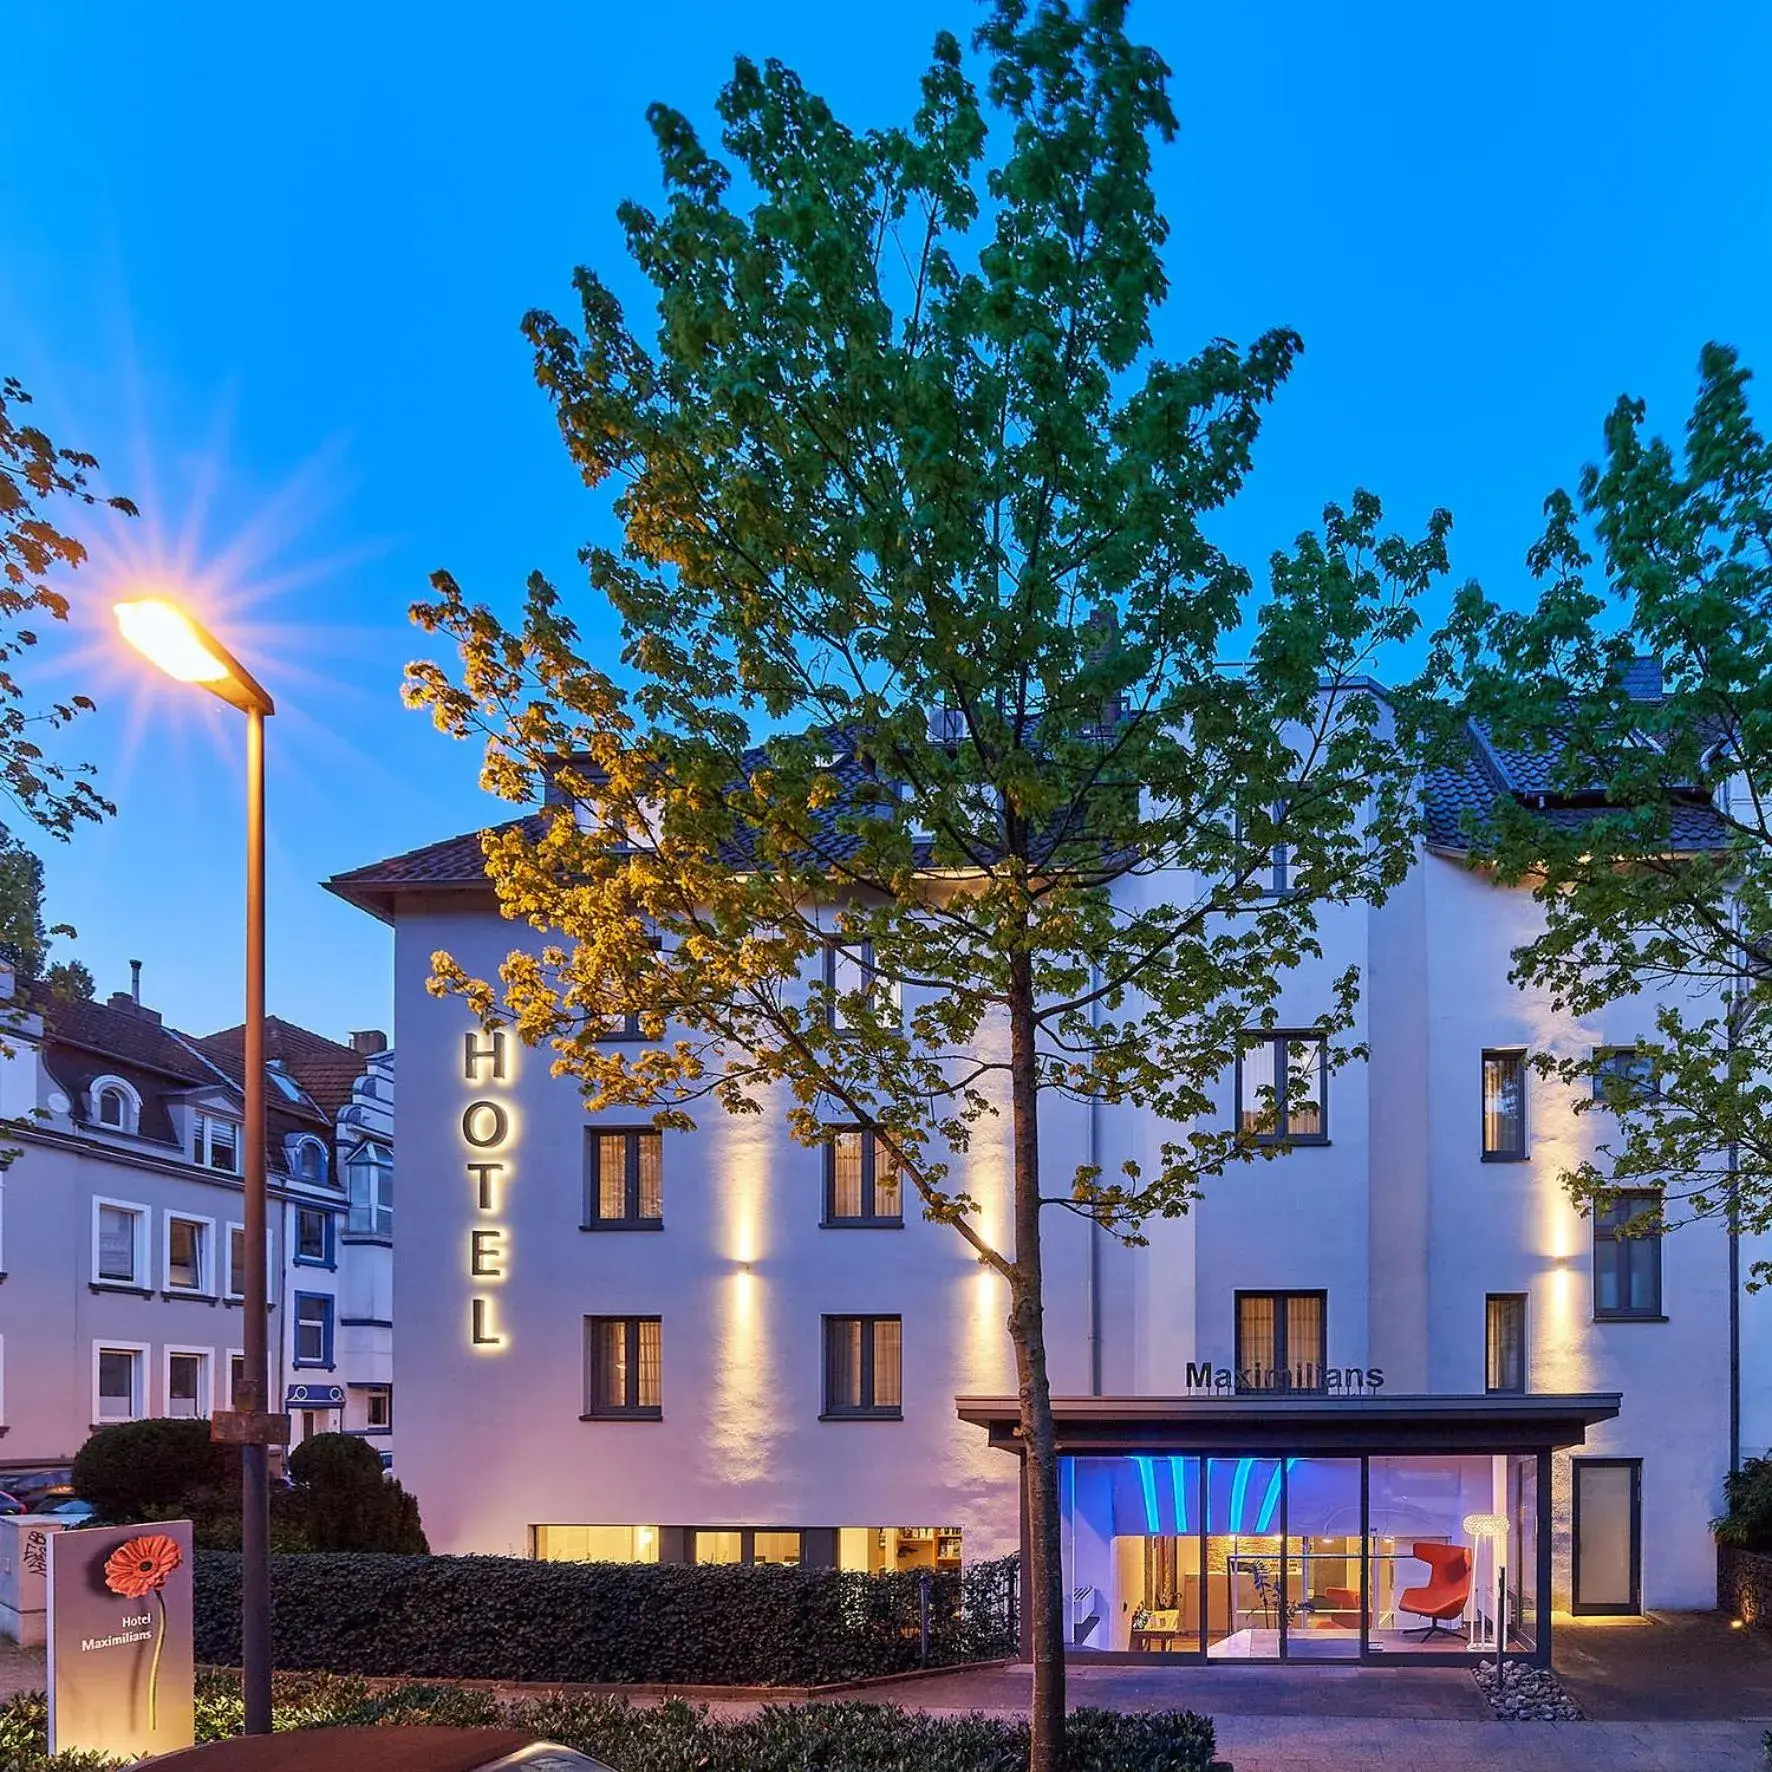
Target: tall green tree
(924,790)
(36,477)
(1641,675)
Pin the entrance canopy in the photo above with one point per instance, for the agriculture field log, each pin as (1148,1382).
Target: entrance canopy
(1296,1422)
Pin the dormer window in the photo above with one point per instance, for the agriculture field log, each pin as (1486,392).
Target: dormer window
(215,1144)
(307,1160)
(284,1081)
(115,1105)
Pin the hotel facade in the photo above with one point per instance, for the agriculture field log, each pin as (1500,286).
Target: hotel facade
(1336,1411)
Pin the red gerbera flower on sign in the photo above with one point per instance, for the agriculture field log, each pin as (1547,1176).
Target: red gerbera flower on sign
(141,1565)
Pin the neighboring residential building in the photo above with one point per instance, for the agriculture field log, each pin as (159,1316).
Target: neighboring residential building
(1277,1419)
(122,1222)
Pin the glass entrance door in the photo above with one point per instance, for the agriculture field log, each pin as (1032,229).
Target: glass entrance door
(1244,1603)
(1325,1581)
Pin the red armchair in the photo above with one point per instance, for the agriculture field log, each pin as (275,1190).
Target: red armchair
(1446,1591)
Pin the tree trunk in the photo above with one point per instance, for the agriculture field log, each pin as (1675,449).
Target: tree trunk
(1043,1579)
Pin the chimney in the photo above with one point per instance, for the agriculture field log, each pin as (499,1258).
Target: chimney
(366,1041)
(132,1005)
(135,981)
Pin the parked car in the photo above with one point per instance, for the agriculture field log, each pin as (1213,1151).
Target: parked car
(10,1504)
(29,1486)
(69,1508)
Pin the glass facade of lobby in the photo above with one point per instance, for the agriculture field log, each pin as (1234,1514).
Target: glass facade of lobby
(1312,1557)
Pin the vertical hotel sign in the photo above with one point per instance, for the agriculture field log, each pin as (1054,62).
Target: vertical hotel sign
(489,1133)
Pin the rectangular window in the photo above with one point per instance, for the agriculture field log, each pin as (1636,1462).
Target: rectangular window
(313,1236)
(369,1176)
(1262,826)
(118,1256)
(119,1383)
(849,972)
(1281,1341)
(862,1184)
(1504,1106)
(236,1261)
(216,1144)
(1627,1256)
(187,1254)
(863,1367)
(1622,1070)
(187,1384)
(624,1180)
(1283,1089)
(378,1408)
(236,1378)
(596,1544)
(313,1329)
(1504,1340)
(623,1367)
(745,1545)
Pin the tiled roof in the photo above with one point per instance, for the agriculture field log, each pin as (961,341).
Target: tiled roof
(138,1039)
(453,864)
(325,1068)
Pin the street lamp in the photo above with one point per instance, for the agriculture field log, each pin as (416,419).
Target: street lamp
(164,633)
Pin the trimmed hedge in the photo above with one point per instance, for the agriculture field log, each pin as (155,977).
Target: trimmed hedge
(676,1737)
(506,1618)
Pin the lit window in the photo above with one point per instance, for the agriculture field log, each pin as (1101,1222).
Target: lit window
(1504,1360)
(1283,1089)
(1627,1256)
(1280,1341)
(596,1544)
(862,1367)
(623,1367)
(624,1181)
(862,1184)
(1504,1104)
(216,1144)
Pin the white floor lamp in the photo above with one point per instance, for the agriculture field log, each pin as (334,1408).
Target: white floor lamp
(1493,1528)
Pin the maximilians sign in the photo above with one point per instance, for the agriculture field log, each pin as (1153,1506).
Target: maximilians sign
(1308,1380)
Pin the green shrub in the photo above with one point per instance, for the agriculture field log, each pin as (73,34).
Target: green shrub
(505,1618)
(677,1737)
(1747,1499)
(344,1501)
(159,1469)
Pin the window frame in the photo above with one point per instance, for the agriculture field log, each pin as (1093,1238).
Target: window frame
(328,1256)
(138,1401)
(869,1410)
(204,1285)
(1277,1039)
(1277,878)
(631,1219)
(203,1124)
(631,1408)
(327,1325)
(1602,1055)
(205,1398)
(1512,1154)
(1578,1607)
(747,1544)
(310,1141)
(385,1393)
(1490,1361)
(234,1278)
(885,989)
(106,1084)
(231,1354)
(870,1217)
(379,1200)
(1604,1234)
(141,1279)
(1280,1297)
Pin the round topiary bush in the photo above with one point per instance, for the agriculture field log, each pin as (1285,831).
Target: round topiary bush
(335,1461)
(162,1468)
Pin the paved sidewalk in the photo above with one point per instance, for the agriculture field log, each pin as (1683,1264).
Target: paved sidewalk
(21,1670)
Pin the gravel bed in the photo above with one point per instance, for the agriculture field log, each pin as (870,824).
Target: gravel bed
(1529,1695)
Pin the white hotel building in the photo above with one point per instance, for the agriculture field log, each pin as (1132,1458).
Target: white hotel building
(722,1345)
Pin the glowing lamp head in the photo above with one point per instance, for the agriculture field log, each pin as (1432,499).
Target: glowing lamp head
(1492,1526)
(167,636)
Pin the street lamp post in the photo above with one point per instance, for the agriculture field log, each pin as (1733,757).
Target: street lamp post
(169,637)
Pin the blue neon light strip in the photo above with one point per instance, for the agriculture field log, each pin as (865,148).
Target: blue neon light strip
(1148,1477)
(1239,1491)
(1272,1499)
(1178,1480)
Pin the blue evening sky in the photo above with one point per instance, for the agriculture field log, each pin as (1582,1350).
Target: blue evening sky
(269,263)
